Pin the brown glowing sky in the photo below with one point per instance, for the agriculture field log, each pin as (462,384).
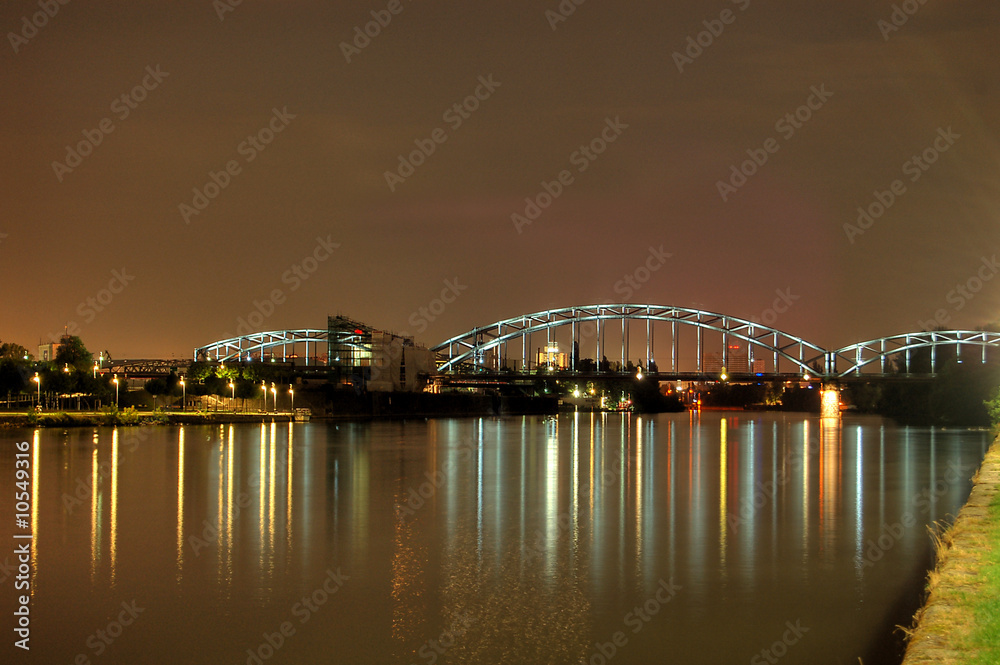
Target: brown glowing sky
(656,185)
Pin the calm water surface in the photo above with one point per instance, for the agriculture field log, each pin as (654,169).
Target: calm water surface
(602,538)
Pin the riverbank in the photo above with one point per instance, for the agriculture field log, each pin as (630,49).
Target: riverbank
(960,622)
(341,406)
(94,419)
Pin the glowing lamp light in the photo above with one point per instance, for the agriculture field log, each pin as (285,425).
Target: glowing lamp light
(830,403)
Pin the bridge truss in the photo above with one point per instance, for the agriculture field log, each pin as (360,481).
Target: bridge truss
(878,352)
(759,349)
(489,347)
(256,346)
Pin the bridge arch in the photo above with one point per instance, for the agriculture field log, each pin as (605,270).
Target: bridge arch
(469,349)
(863,354)
(254,345)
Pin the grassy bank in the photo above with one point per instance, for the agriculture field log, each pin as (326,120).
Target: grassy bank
(131,417)
(960,623)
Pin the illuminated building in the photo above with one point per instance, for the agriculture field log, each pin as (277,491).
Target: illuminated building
(375,359)
(550,356)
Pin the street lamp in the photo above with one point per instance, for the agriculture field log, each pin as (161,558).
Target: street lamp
(274,396)
(638,375)
(291,391)
(183,395)
(38,380)
(95,369)
(232,386)
(115,381)
(263,386)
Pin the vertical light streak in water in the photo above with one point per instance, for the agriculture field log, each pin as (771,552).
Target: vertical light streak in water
(180,502)
(113,549)
(750,488)
(36,476)
(289,478)
(831,482)
(625,461)
(858,500)
(590,483)
(523,477)
(805,490)
(229,506)
(821,482)
(479,491)
(261,499)
(270,497)
(576,483)
(361,500)
(723,478)
(94,503)
(598,505)
(499,472)
(672,475)
(220,501)
(551,496)
(784,478)
(638,495)
(695,535)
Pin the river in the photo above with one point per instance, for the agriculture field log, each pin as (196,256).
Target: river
(713,537)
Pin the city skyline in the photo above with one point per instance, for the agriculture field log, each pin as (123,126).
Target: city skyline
(173,172)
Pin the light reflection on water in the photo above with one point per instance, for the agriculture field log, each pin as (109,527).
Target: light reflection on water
(529,539)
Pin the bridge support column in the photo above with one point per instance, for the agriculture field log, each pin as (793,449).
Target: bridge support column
(675,347)
(774,344)
(649,340)
(699,346)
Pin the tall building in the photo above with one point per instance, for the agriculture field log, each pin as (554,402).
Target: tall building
(550,356)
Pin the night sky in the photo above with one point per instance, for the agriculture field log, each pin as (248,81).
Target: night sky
(309,122)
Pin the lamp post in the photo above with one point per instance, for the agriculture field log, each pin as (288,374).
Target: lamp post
(95,369)
(291,391)
(263,386)
(232,386)
(183,395)
(115,381)
(274,396)
(38,381)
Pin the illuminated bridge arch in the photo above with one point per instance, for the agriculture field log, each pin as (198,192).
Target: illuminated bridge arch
(257,345)
(878,351)
(487,347)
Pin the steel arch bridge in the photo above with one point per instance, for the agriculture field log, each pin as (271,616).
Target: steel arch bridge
(878,351)
(487,347)
(470,348)
(246,347)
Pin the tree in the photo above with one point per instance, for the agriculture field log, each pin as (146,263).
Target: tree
(156,387)
(15,368)
(73,352)
(993,409)
(11,351)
